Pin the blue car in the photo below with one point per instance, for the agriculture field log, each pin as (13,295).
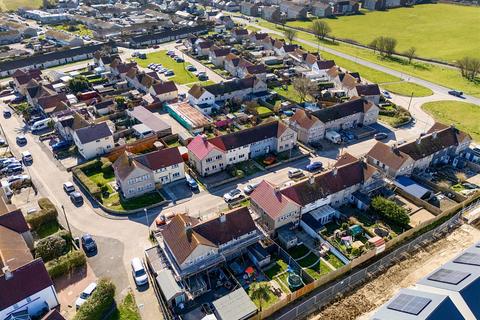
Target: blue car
(314,166)
(60,145)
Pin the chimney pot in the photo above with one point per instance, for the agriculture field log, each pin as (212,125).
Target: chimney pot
(7,272)
(311,179)
(434,135)
(335,171)
(223,218)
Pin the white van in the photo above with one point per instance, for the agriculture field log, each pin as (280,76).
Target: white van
(41,124)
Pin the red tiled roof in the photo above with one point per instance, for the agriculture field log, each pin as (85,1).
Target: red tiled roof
(165,87)
(200,147)
(391,157)
(161,158)
(270,200)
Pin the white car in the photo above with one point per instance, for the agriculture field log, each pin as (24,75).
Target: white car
(295,173)
(27,156)
(232,195)
(68,187)
(138,272)
(85,294)
(250,187)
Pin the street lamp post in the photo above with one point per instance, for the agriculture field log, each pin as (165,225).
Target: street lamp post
(146,217)
(410,102)
(66,219)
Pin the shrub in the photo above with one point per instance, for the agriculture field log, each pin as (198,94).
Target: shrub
(99,303)
(90,165)
(64,264)
(92,188)
(106,167)
(64,234)
(50,248)
(390,210)
(48,213)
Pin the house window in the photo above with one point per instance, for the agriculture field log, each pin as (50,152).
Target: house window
(218,157)
(176,174)
(241,156)
(175,166)
(97,141)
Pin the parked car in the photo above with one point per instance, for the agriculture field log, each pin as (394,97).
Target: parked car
(88,244)
(170,53)
(178,41)
(387,95)
(455,93)
(203,77)
(2,142)
(250,187)
(295,173)
(269,160)
(76,198)
(68,187)
(314,166)
(232,195)
(85,294)
(18,177)
(169,73)
(13,169)
(191,68)
(27,157)
(61,145)
(21,140)
(138,272)
(380,136)
(193,185)
(7,113)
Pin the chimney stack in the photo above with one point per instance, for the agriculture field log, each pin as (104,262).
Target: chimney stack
(335,171)
(434,135)
(188,231)
(7,272)
(311,179)
(419,140)
(222,218)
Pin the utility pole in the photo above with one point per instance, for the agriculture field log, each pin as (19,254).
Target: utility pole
(410,102)
(66,219)
(146,217)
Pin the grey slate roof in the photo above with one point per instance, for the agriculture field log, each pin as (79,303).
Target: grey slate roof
(168,285)
(93,132)
(234,306)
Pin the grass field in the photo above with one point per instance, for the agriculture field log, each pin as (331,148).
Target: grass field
(407,88)
(437,74)
(465,116)
(127,310)
(182,76)
(7,5)
(422,26)
(81,30)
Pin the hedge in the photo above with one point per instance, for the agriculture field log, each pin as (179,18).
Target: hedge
(50,248)
(91,186)
(48,213)
(99,303)
(65,263)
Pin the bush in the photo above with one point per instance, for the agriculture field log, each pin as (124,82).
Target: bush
(47,214)
(99,303)
(66,263)
(64,234)
(390,210)
(50,248)
(92,188)
(106,167)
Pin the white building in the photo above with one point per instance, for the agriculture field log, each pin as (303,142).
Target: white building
(94,140)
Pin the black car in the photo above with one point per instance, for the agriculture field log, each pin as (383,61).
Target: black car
(88,244)
(455,93)
(381,136)
(76,198)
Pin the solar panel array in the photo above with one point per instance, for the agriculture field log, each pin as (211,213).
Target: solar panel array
(449,276)
(469,258)
(409,304)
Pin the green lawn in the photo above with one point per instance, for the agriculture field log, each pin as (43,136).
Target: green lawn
(279,267)
(7,5)
(264,112)
(423,26)
(465,116)
(115,202)
(127,310)
(99,177)
(81,29)
(203,83)
(318,270)
(298,251)
(437,74)
(265,303)
(333,260)
(290,93)
(181,76)
(407,89)
(47,229)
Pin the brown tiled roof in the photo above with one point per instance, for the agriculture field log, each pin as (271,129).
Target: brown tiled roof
(240,31)
(260,35)
(53,315)
(221,52)
(26,281)
(329,182)
(14,252)
(196,91)
(165,87)
(205,44)
(132,73)
(303,119)
(270,200)
(248,136)
(349,81)
(125,164)
(311,59)
(160,159)
(461,135)
(390,156)
(333,72)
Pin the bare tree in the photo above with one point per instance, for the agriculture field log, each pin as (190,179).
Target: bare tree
(304,88)
(374,45)
(290,34)
(390,44)
(320,29)
(469,67)
(410,53)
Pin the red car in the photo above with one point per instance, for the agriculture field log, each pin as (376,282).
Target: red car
(269,160)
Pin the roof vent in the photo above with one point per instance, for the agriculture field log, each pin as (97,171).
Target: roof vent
(7,272)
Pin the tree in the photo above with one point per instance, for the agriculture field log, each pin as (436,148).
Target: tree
(78,84)
(410,53)
(374,45)
(390,210)
(260,291)
(121,102)
(320,29)
(304,87)
(50,248)
(290,34)
(469,67)
(99,303)
(389,45)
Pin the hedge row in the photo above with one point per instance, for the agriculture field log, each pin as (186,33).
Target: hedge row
(99,303)
(65,263)
(48,213)
(91,186)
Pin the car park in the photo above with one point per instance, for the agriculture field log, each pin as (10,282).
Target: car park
(76,198)
(295,173)
(314,166)
(68,187)
(249,188)
(138,272)
(21,140)
(232,195)
(380,136)
(88,244)
(85,294)
(27,157)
